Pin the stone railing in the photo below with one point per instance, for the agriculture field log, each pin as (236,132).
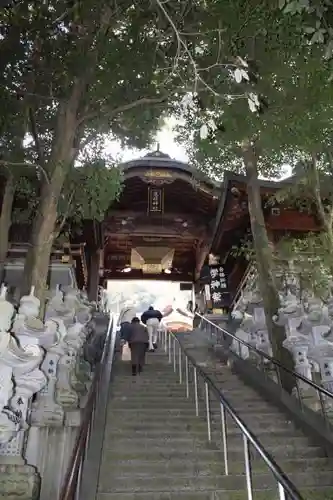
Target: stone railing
(45,371)
(309,337)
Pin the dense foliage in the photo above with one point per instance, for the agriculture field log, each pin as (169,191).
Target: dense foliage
(250,81)
(79,70)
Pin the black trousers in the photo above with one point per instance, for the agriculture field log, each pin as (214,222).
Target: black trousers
(138,355)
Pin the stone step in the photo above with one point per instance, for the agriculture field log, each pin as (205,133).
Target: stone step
(167,376)
(152,414)
(178,466)
(235,452)
(151,397)
(111,483)
(262,420)
(174,423)
(172,403)
(151,407)
(240,394)
(308,494)
(155,447)
(142,444)
(177,391)
(160,367)
(247,407)
(188,415)
(146,381)
(119,431)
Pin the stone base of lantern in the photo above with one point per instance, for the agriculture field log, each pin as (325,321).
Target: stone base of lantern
(19,482)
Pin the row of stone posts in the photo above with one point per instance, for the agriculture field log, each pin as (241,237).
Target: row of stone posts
(309,330)
(45,374)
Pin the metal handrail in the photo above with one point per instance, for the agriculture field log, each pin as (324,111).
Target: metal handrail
(286,489)
(320,390)
(71,485)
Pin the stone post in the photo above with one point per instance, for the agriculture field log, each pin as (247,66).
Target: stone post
(56,413)
(18,479)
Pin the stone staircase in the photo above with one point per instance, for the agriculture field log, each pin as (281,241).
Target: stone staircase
(155,448)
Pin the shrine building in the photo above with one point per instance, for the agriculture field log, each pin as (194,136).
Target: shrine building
(171,222)
(232,225)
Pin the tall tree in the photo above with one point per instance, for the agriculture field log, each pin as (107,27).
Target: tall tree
(265,70)
(82,69)
(315,22)
(312,190)
(12,157)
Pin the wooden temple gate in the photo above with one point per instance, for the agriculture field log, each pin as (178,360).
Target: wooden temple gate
(171,222)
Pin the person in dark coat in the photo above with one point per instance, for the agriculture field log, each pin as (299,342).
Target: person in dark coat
(138,341)
(152,318)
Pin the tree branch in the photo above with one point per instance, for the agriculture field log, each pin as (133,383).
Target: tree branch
(110,114)
(34,133)
(316,191)
(60,226)
(8,164)
(183,46)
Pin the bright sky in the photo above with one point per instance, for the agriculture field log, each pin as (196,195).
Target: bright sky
(165,138)
(166,292)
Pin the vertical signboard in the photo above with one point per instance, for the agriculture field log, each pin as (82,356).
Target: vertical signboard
(155,200)
(219,289)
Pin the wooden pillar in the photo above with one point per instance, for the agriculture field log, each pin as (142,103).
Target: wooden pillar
(93,275)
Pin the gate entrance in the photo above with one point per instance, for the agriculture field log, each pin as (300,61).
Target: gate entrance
(162,225)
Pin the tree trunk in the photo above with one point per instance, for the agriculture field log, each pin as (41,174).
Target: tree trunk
(329,242)
(43,231)
(325,216)
(5,221)
(264,261)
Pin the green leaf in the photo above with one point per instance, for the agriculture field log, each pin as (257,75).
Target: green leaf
(291,7)
(309,29)
(329,50)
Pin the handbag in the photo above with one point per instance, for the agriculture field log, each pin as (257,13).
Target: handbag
(126,353)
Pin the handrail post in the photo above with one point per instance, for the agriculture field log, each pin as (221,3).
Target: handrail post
(169,348)
(248,471)
(322,408)
(196,391)
(187,378)
(224,439)
(209,429)
(282,493)
(180,366)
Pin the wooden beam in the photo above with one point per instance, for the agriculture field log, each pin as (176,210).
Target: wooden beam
(290,220)
(158,231)
(93,281)
(138,275)
(201,254)
(169,216)
(200,186)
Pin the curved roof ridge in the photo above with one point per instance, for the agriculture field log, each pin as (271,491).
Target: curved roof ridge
(163,160)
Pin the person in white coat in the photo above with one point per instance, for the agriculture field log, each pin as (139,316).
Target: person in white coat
(152,318)
(125,319)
